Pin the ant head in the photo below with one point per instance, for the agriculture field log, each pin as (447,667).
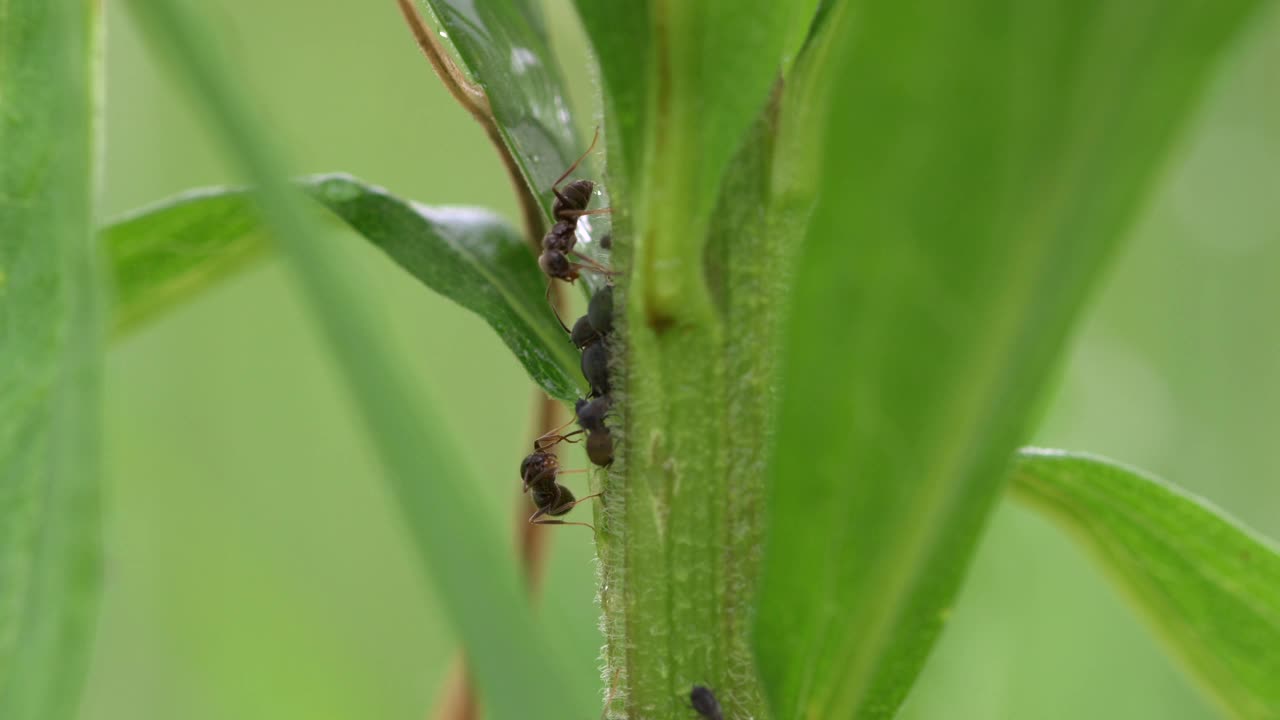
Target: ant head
(556,265)
(600,310)
(582,333)
(536,466)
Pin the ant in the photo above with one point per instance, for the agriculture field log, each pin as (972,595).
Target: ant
(570,204)
(705,703)
(539,470)
(542,465)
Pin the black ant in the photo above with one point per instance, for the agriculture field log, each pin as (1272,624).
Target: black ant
(570,204)
(542,465)
(539,471)
(705,703)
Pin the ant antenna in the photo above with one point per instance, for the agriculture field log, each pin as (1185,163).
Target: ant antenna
(554,311)
(582,157)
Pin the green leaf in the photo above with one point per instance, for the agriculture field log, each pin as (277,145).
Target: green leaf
(983,158)
(503,47)
(517,662)
(171,250)
(1209,585)
(50,354)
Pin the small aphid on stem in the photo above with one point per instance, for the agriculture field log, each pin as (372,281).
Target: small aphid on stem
(704,702)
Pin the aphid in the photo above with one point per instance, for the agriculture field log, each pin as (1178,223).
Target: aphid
(600,310)
(600,447)
(595,368)
(569,205)
(591,413)
(582,333)
(599,440)
(705,703)
(606,242)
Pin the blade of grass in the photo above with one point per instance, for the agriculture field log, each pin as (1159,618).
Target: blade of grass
(1208,585)
(167,252)
(517,667)
(963,218)
(50,353)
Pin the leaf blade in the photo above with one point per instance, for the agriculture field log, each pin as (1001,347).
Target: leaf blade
(171,250)
(957,235)
(504,48)
(1208,585)
(50,549)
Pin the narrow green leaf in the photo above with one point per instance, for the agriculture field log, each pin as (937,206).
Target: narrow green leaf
(516,662)
(1209,585)
(50,353)
(169,251)
(982,159)
(165,253)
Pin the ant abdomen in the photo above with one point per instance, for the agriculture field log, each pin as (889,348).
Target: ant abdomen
(572,200)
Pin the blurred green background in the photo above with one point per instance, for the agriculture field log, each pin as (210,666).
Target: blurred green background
(256,568)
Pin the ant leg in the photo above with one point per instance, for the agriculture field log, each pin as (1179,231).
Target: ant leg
(562,522)
(566,508)
(553,433)
(589,264)
(554,311)
(556,185)
(579,213)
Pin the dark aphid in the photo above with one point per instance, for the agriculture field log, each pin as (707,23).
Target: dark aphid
(553,499)
(582,333)
(591,413)
(600,447)
(705,703)
(595,368)
(600,310)
(606,242)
